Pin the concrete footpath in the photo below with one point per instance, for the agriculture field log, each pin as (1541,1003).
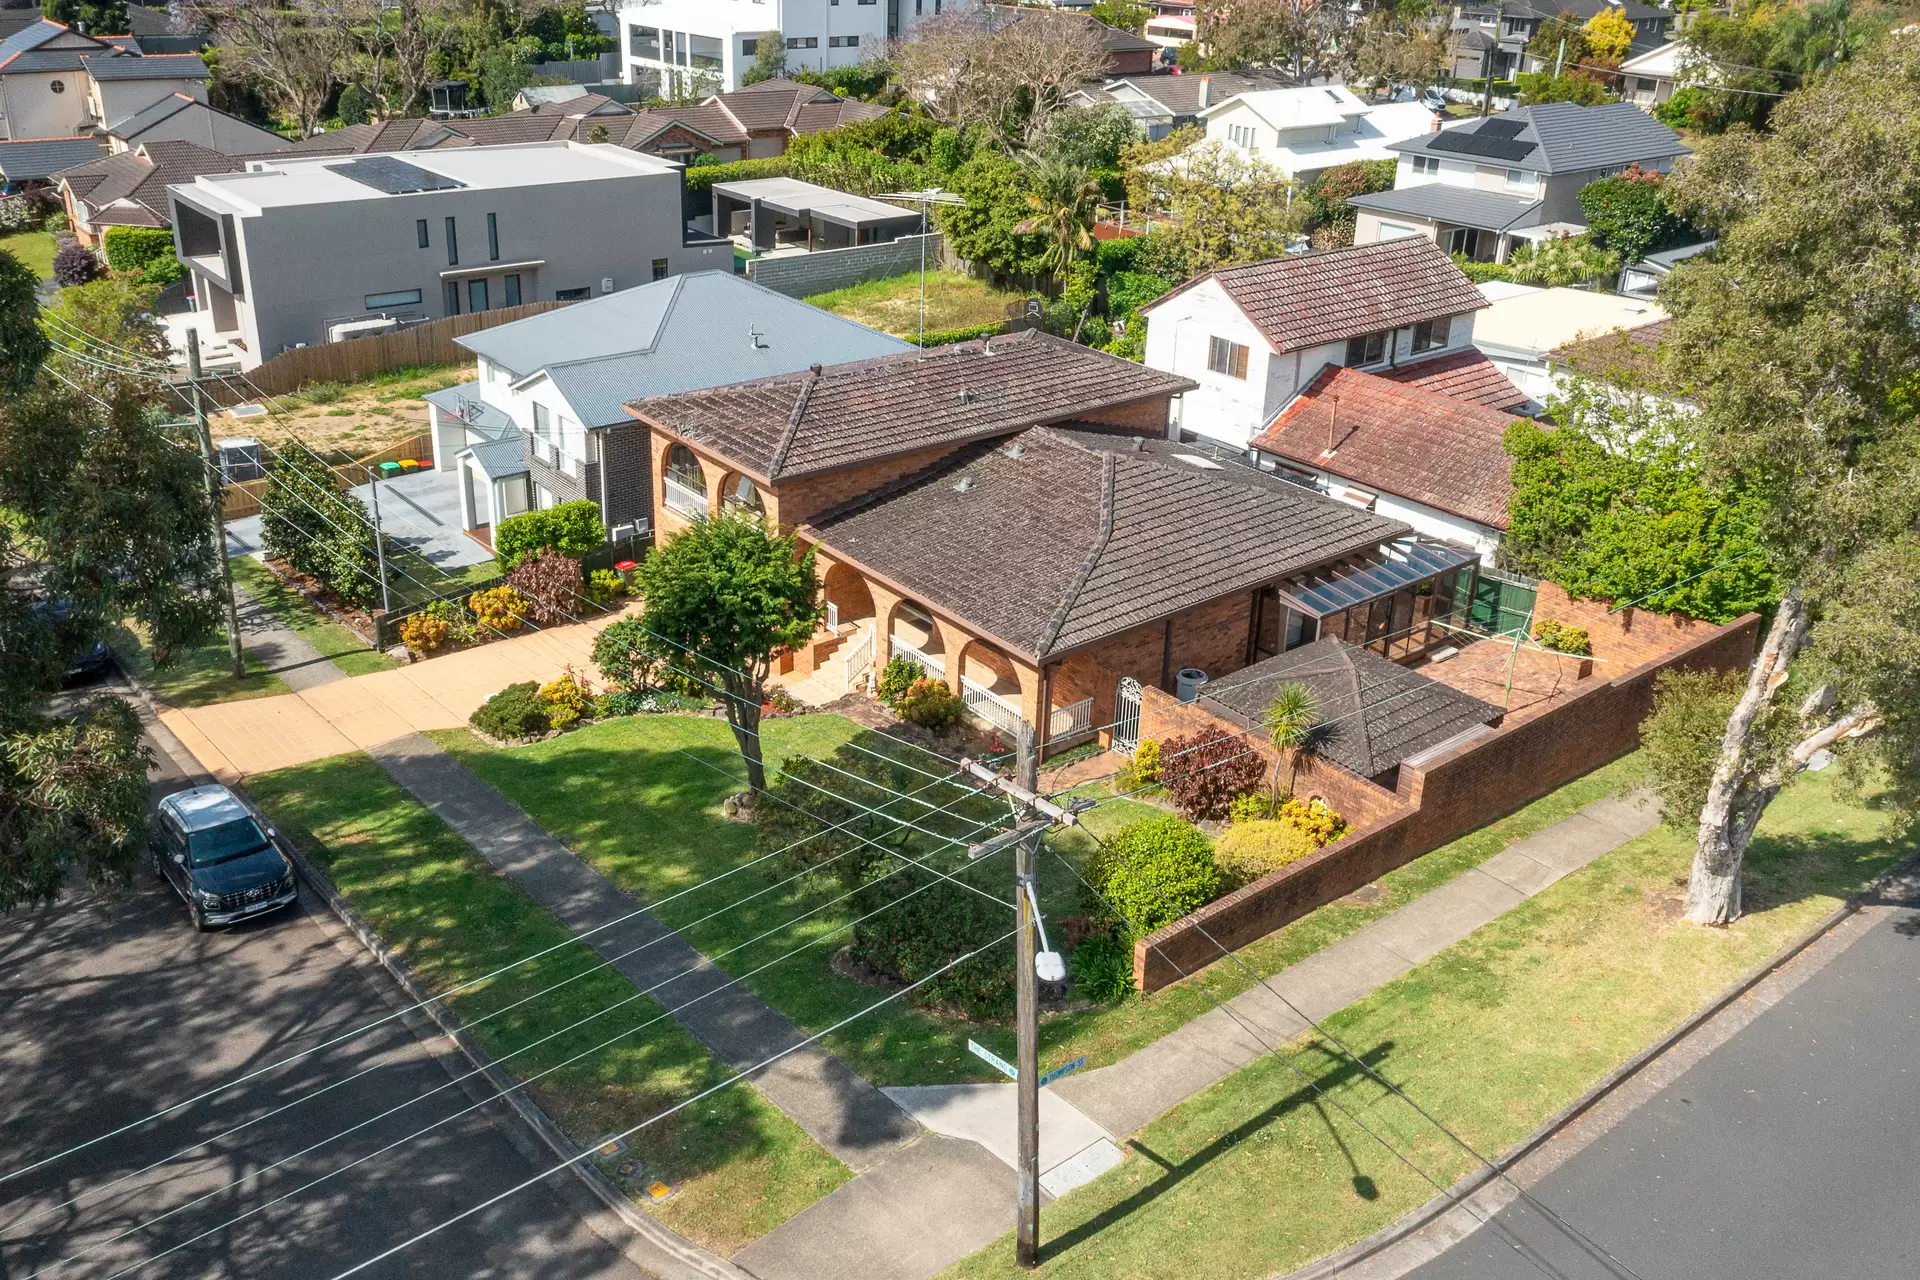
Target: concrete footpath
(279,648)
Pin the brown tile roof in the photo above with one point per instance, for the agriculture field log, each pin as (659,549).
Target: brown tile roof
(1464,375)
(1399,439)
(130,189)
(778,428)
(1331,294)
(709,120)
(1060,538)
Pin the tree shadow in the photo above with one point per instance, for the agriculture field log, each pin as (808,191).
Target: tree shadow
(1342,1071)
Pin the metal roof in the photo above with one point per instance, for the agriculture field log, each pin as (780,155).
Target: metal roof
(1460,206)
(1345,588)
(790,195)
(43,157)
(1556,137)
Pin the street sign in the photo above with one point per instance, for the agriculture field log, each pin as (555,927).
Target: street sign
(1061,1071)
(993,1059)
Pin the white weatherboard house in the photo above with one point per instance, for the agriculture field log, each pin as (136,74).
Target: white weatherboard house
(1303,131)
(544,421)
(1254,337)
(295,251)
(684,44)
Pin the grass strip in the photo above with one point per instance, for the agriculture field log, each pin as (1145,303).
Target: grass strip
(196,677)
(336,643)
(739,1166)
(1257,1176)
(954,301)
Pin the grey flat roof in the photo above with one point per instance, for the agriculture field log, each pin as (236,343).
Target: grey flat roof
(1460,206)
(790,195)
(685,333)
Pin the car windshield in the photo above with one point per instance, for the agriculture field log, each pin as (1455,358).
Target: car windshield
(228,840)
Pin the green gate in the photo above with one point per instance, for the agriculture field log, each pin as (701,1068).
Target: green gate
(1502,604)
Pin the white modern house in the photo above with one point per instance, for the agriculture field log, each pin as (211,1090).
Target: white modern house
(1302,131)
(292,251)
(1651,78)
(1253,337)
(544,421)
(684,44)
(1524,325)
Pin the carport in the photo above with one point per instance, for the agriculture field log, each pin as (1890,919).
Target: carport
(775,213)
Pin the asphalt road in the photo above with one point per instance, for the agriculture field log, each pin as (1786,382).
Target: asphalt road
(1790,1152)
(111,1010)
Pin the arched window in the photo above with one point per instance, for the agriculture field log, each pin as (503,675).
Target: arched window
(685,483)
(743,496)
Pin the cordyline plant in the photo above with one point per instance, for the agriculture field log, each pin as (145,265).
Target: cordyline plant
(1205,773)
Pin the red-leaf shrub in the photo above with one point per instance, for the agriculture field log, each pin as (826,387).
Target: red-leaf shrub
(1206,772)
(553,585)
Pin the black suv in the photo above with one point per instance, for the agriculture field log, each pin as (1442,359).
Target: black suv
(214,854)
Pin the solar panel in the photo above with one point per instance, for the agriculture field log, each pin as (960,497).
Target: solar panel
(1461,142)
(1495,127)
(393,177)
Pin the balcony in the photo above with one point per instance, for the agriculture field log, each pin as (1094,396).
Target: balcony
(685,499)
(931,665)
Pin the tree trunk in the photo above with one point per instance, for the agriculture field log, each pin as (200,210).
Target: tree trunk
(743,716)
(1741,787)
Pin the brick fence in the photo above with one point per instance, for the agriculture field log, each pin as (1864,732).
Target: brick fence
(1443,797)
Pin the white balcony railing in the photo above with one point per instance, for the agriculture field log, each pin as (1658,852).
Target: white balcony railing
(990,706)
(1075,720)
(685,499)
(933,666)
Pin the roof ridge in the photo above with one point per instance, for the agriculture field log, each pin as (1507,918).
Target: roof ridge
(785,446)
(1108,466)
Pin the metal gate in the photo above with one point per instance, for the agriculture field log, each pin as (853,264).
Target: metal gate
(1126,715)
(1502,603)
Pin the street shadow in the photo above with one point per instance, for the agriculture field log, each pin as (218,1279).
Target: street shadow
(1782,869)
(1342,1070)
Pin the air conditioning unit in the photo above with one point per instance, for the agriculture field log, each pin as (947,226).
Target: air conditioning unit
(361,328)
(606,284)
(240,459)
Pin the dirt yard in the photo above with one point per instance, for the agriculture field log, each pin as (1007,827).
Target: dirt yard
(348,421)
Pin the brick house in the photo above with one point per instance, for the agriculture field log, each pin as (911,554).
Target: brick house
(1012,515)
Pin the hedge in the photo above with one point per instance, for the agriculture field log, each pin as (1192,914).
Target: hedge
(147,250)
(942,337)
(571,527)
(700,177)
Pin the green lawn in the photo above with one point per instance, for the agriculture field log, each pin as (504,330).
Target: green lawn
(639,798)
(421,580)
(1259,1175)
(34,249)
(954,301)
(740,1167)
(341,646)
(194,678)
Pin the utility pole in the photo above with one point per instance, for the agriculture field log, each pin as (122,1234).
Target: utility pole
(379,539)
(1031,964)
(1493,48)
(234,653)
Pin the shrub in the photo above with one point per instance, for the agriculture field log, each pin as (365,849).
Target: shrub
(1103,968)
(1154,871)
(1255,806)
(917,935)
(322,392)
(572,527)
(74,263)
(422,632)
(605,584)
(1204,773)
(1312,817)
(147,250)
(1250,850)
(781,702)
(318,530)
(460,626)
(623,654)
(930,704)
(517,711)
(1681,739)
(569,692)
(897,677)
(553,585)
(1142,769)
(1562,638)
(498,609)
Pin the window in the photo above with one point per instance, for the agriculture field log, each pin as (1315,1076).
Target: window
(1429,335)
(844,42)
(572,295)
(476,295)
(743,496)
(512,284)
(453,297)
(803,42)
(1240,135)
(1478,246)
(1426,166)
(58,86)
(659,268)
(398,298)
(707,53)
(1519,180)
(493,238)
(420,230)
(684,483)
(749,47)
(644,42)
(453,246)
(1365,349)
(1393,231)
(1227,357)
(542,424)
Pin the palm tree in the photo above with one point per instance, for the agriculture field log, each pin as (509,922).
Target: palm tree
(1065,199)
(1293,721)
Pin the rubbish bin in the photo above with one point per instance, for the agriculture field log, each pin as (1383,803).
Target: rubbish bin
(1187,684)
(388,470)
(409,465)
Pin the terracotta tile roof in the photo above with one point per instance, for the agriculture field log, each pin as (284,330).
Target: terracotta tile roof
(778,428)
(130,189)
(1071,537)
(1465,375)
(1398,439)
(708,120)
(1332,294)
(1375,713)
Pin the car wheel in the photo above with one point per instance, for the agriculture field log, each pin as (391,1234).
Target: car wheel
(200,924)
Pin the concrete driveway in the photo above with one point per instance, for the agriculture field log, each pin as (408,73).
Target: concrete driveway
(112,1009)
(1788,1152)
(420,511)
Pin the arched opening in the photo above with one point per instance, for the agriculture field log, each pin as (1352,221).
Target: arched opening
(685,483)
(991,686)
(741,494)
(849,601)
(912,633)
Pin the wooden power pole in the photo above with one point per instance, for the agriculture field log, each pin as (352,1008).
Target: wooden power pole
(236,656)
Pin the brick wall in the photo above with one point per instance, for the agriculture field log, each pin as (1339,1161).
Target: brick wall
(794,502)
(629,468)
(1455,793)
(801,275)
(563,487)
(1627,638)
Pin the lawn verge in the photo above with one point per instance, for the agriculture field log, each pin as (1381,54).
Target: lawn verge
(739,1167)
(336,643)
(196,678)
(1262,1174)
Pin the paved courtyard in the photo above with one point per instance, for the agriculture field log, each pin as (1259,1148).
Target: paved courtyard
(420,511)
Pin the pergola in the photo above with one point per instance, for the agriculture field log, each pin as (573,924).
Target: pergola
(772,212)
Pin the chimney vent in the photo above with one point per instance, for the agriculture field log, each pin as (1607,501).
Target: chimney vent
(1206,92)
(816,370)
